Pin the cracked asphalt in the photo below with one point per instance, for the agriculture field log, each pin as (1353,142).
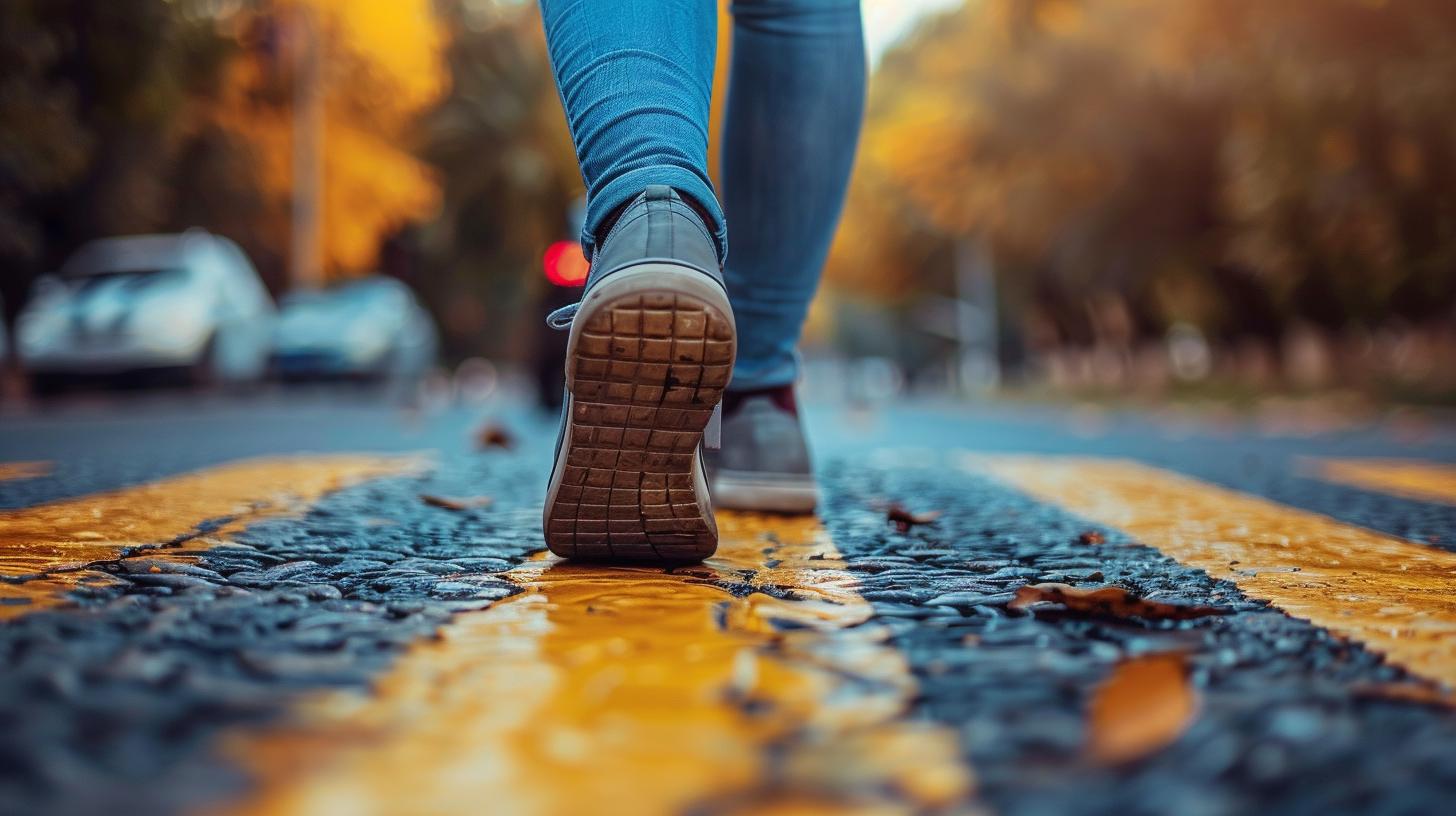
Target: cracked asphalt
(153,676)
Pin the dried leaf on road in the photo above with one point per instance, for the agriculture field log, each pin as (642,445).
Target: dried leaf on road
(1144,705)
(1409,692)
(1109,601)
(448,503)
(492,435)
(904,519)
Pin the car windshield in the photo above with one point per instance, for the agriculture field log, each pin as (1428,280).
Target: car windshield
(129,280)
(342,302)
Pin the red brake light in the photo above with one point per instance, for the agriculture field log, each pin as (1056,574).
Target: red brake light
(565,264)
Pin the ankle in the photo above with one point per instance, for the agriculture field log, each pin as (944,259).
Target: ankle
(782,396)
(703,213)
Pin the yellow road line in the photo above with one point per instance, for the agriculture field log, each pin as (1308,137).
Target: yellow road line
(622,690)
(10,471)
(1408,478)
(58,539)
(1396,597)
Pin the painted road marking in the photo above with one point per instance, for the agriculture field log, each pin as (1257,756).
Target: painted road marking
(1396,597)
(50,544)
(14,471)
(1407,478)
(632,690)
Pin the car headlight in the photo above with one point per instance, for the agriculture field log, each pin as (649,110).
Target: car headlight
(172,330)
(39,328)
(364,341)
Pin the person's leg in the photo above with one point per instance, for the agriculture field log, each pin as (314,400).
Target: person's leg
(651,343)
(795,101)
(635,78)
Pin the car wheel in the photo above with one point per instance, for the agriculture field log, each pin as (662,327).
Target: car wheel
(203,372)
(50,385)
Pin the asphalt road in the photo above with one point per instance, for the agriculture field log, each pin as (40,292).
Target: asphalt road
(323,603)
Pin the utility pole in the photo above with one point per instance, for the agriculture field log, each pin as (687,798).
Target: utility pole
(977,332)
(305,262)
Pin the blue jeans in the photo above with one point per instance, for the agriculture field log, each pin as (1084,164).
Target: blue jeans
(635,78)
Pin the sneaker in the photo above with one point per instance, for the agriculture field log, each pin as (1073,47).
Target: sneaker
(649,354)
(764,463)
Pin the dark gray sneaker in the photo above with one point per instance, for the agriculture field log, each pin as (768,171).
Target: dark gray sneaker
(764,463)
(650,351)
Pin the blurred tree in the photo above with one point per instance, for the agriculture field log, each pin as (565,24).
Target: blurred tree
(381,68)
(500,146)
(1239,165)
(157,115)
(95,98)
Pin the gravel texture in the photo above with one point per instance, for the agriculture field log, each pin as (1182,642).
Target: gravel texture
(117,704)
(119,700)
(1281,727)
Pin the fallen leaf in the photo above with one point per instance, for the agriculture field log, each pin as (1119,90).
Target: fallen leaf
(491,435)
(1410,692)
(1109,601)
(1091,537)
(1144,705)
(903,519)
(455,504)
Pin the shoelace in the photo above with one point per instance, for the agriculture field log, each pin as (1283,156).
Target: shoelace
(560,319)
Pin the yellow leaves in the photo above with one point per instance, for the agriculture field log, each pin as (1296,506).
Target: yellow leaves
(1105,601)
(400,40)
(371,186)
(936,141)
(904,519)
(1059,17)
(1144,705)
(456,504)
(1418,692)
(922,148)
(372,182)
(382,67)
(493,435)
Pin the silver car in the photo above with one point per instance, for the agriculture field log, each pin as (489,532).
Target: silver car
(189,303)
(367,329)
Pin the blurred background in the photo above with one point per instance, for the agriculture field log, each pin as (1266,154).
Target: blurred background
(1229,199)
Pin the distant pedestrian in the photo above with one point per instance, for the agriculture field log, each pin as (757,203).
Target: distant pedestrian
(653,340)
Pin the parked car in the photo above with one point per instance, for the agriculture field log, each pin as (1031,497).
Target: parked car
(190,303)
(367,329)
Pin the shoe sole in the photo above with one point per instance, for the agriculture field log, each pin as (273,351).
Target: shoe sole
(650,352)
(766,493)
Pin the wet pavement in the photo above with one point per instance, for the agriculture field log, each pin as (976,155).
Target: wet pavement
(306,604)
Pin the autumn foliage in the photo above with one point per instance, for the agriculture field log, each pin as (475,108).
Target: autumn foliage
(1277,177)
(1240,166)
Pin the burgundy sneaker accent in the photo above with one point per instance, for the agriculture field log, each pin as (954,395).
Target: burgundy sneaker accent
(764,462)
(782,396)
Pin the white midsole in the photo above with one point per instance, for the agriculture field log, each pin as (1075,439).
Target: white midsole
(650,276)
(775,494)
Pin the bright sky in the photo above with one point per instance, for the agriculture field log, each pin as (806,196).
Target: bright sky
(885,21)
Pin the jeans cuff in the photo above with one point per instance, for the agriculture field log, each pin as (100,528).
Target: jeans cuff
(629,185)
(749,375)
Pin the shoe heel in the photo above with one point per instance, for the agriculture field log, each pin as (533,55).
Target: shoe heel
(649,357)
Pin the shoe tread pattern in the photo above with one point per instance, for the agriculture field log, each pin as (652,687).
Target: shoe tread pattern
(646,372)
